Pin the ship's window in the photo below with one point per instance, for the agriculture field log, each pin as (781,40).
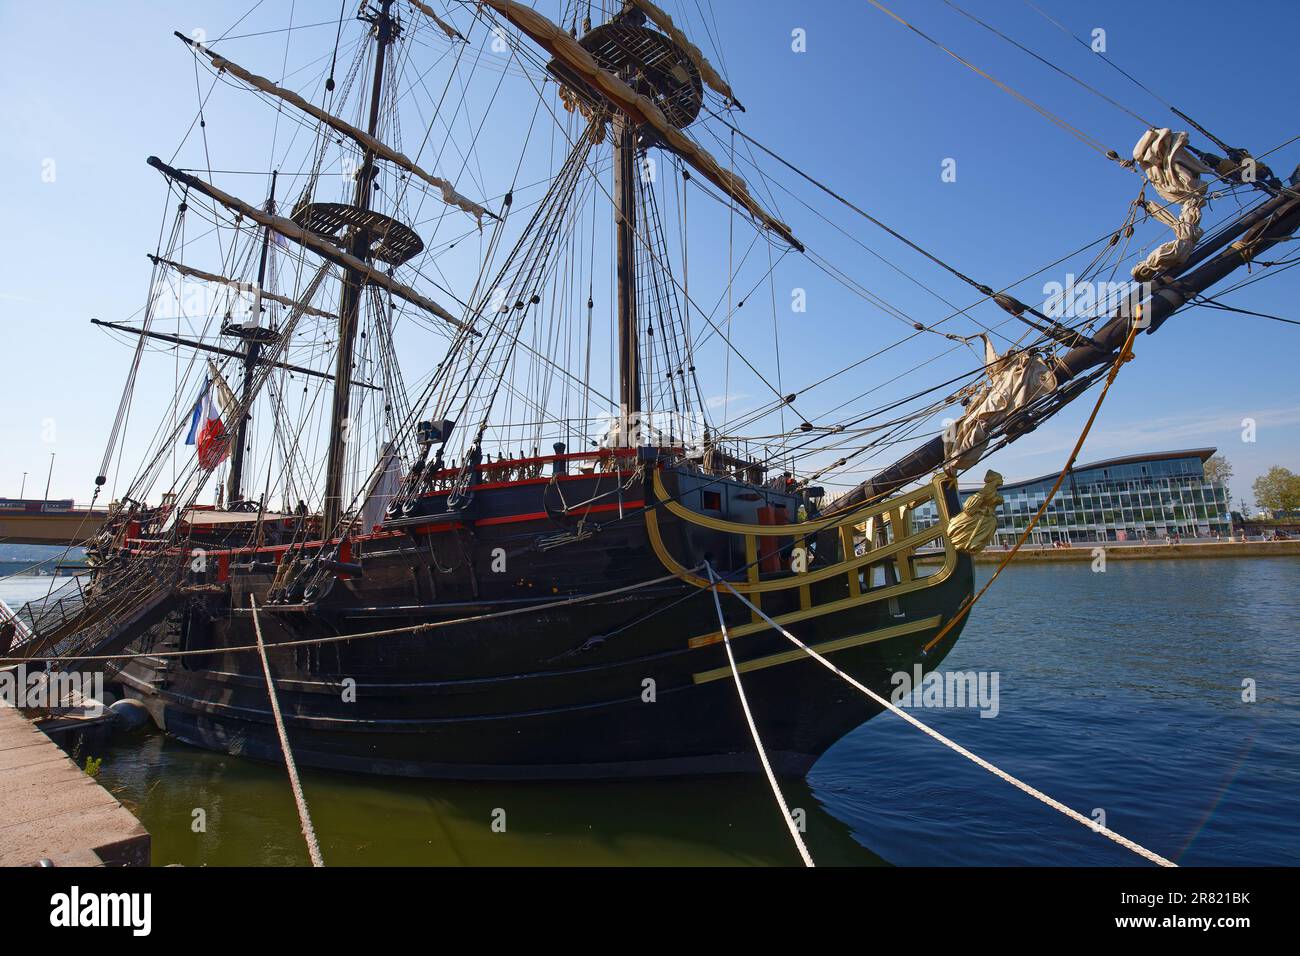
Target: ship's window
(711,500)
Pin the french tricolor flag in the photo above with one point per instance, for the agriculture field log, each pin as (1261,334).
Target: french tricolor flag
(206,430)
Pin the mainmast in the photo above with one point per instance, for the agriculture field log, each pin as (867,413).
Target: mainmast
(647,85)
(350,300)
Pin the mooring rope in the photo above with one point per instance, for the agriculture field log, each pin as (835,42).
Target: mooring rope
(304,815)
(360,636)
(753,730)
(974,758)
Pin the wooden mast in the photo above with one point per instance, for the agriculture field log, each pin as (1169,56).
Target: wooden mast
(350,300)
(629,342)
(252,349)
(624,137)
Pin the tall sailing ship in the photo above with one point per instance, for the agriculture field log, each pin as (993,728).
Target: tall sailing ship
(506,569)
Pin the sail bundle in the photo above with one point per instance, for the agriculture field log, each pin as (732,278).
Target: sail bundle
(284,300)
(555,40)
(305,237)
(1175,172)
(443,25)
(380,149)
(1014,381)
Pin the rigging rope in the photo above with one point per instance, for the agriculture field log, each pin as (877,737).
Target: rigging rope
(1041,110)
(364,635)
(1046,62)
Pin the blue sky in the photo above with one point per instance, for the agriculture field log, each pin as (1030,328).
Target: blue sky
(869,108)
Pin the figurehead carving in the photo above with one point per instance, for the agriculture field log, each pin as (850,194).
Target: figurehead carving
(973,529)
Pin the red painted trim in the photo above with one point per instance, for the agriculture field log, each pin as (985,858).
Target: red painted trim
(272,548)
(437,528)
(542,515)
(489,485)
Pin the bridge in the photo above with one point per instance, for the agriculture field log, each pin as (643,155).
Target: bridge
(26,521)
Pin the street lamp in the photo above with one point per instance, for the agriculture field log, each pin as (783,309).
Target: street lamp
(48,478)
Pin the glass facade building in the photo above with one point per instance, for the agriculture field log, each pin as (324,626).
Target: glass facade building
(1134,498)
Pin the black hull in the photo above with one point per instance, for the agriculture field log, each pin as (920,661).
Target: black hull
(558,693)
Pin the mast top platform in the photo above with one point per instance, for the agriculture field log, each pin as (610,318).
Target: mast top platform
(648,61)
(396,241)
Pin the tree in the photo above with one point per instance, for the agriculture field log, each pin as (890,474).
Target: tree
(1278,489)
(1218,468)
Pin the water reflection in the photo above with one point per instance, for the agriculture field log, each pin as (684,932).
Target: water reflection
(251,820)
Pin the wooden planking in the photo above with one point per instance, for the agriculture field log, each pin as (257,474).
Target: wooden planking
(50,809)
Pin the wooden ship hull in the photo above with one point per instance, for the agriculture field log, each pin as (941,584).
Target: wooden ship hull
(632,683)
(516,618)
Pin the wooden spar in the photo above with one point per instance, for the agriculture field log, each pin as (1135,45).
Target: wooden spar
(366,140)
(284,300)
(1279,218)
(218,350)
(326,250)
(639,107)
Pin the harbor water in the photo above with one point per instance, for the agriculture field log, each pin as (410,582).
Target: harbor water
(1161,696)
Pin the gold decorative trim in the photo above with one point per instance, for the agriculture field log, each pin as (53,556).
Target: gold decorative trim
(824,648)
(898,553)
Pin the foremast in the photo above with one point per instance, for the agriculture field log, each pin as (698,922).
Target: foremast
(253,334)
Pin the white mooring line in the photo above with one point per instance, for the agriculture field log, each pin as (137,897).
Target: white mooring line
(749,717)
(974,758)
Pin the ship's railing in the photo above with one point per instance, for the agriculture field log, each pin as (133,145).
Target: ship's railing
(875,559)
(507,469)
(78,620)
(61,605)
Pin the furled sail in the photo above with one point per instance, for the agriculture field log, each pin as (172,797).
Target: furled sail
(559,44)
(241,286)
(1175,173)
(449,194)
(291,230)
(707,73)
(1014,381)
(443,25)
(386,479)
